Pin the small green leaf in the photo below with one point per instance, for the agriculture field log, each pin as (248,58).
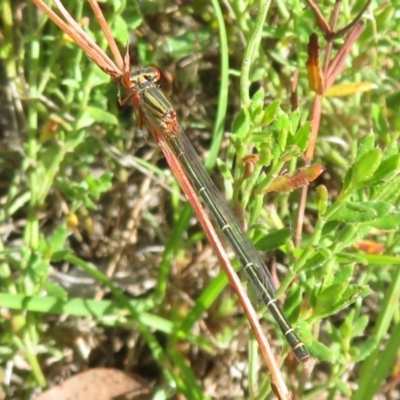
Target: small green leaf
(294,118)
(98,185)
(348,179)
(55,291)
(76,139)
(362,351)
(84,121)
(359,325)
(38,266)
(257,74)
(270,113)
(344,274)
(134,21)
(256,107)
(365,167)
(60,255)
(327,298)
(341,296)
(387,170)
(224,170)
(353,213)
(329,227)
(282,126)
(302,137)
(289,153)
(265,156)
(391,221)
(367,144)
(382,208)
(89,203)
(120,29)
(321,198)
(346,328)
(384,16)
(314,262)
(58,238)
(258,98)
(274,240)
(101,116)
(241,125)
(320,351)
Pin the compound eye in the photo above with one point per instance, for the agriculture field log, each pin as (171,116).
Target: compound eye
(154,75)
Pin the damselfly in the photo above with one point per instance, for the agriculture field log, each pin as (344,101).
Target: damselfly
(153,110)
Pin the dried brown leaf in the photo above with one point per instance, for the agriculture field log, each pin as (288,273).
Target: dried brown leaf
(95,384)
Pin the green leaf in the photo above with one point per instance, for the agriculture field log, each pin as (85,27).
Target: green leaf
(381,208)
(265,156)
(346,328)
(178,46)
(58,238)
(257,100)
(83,121)
(359,325)
(270,113)
(61,255)
(321,198)
(134,22)
(320,351)
(281,129)
(38,267)
(274,240)
(55,291)
(367,144)
(314,262)
(302,137)
(338,297)
(353,213)
(344,274)
(101,116)
(391,221)
(257,74)
(348,179)
(330,227)
(327,298)
(241,125)
(365,167)
(224,170)
(387,170)
(362,351)
(120,29)
(99,185)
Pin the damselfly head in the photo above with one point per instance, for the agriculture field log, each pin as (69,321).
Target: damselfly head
(139,76)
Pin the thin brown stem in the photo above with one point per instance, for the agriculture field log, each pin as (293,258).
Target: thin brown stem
(321,21)
(97,50)
(350,26)
(107,32)
(329,44)
(80,37)
(336,66)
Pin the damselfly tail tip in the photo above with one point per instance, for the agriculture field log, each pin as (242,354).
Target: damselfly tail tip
(303,356)
(308,364)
